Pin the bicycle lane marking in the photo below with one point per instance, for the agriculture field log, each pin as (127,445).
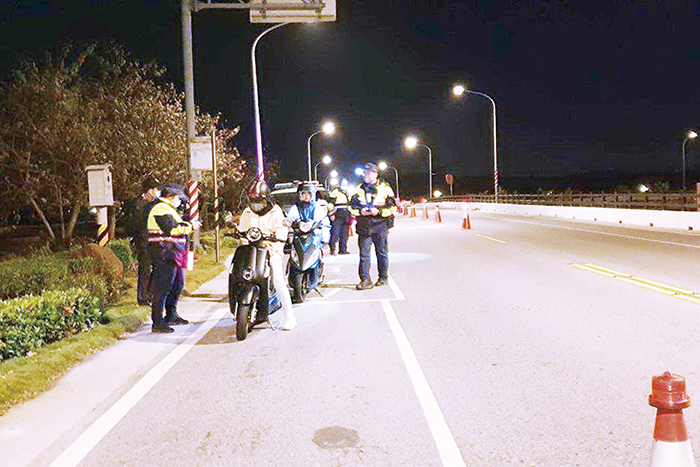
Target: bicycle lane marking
(91,437)
(446,444)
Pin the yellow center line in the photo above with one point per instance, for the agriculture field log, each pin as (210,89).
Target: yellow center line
(490,238)
(665,289)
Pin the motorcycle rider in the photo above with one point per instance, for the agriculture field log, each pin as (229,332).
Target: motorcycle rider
(167,244)
(374,206)
(340,220)
(264,214)
(307,209)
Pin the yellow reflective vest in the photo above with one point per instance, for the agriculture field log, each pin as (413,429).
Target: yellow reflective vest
(165,226)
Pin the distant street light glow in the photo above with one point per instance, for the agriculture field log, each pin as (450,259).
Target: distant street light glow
(382,165)
(643,188)
(329,128)
(334,173)
(437,193)
(458,89)
(359,171)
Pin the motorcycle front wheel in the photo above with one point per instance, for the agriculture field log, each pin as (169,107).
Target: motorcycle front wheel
(297,287)
(243,321)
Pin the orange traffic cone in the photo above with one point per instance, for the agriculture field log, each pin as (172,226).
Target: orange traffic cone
(671,444)
(438,217)
(351,228)
(425,213)
(466,225)
(413,211)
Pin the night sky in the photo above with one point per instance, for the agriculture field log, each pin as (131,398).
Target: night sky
(581,90)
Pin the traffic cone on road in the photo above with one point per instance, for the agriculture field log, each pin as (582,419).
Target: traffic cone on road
(438,217)
(466,224)
(671,444)
(425,213)
(413,211)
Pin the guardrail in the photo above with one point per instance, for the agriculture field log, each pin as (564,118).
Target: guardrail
(648,201)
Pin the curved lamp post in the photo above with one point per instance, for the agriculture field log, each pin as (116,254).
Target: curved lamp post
(325,161)
(328,128)
(411,142)
(256,100)
(689,136)
(458,90)
(383,166)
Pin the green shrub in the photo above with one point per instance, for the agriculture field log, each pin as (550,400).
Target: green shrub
(24,276)
(27,323)
(122,248)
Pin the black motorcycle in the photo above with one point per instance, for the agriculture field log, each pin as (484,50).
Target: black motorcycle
(251,295)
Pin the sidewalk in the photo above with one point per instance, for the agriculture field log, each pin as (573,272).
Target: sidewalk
(36,432)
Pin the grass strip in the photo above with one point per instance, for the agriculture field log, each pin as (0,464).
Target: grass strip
(24,378)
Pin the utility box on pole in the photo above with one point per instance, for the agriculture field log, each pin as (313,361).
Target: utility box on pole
(100,193)
(100,185)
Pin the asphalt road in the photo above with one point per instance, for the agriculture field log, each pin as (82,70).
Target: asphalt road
(522,341)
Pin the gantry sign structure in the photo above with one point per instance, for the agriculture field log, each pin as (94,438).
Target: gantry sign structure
(261,11)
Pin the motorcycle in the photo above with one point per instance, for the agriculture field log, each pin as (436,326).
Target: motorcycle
(305,267)
(252,297)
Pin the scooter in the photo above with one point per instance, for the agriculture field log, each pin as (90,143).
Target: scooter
(251,296)
(305,268)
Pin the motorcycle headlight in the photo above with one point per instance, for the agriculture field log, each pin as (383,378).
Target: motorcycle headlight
(305,227)
(247,274)
(253,234)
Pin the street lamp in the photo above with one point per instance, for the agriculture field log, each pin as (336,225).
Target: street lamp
(325,161)
(458,90)
(383,166)
(256,101)
(411,142)
(689,136)
(328,128)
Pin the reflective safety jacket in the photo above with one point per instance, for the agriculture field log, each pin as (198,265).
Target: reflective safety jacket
(339,198)
(380,196)
(166,227)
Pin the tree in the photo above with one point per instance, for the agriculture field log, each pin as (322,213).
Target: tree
(86,105)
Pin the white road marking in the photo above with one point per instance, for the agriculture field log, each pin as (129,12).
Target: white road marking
(491,238)
(86,442)
(446,444)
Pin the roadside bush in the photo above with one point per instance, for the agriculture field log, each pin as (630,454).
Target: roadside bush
(24,276)
(27,323)
(122,248)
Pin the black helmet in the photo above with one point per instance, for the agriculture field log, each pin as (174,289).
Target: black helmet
(258,190)
(371,167)
(173,189)
(259,197)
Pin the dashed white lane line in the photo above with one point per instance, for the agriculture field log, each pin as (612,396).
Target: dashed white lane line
(446,444)
(86,442)
(490,238)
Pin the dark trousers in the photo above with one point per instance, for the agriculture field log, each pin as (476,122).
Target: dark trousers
(379,235)
(143,286)
(340,230)
(167,284)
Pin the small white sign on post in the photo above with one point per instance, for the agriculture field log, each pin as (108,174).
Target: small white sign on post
(283,11)
(200,151)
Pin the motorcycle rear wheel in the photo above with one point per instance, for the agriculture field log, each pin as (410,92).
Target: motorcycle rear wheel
(243,321)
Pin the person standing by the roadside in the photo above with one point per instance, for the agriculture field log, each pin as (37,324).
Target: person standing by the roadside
(139,237)
(167,241)
(340,220)
(374,206)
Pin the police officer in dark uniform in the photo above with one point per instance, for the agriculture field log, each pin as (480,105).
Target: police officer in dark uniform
(139,238)
(374,206)
(340,220)
(167,241)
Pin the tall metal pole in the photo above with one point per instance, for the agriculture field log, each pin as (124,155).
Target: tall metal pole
(256,100)
(308,151)
(495,150)
(188,68)
(430,170)
(216,194)
(397,182)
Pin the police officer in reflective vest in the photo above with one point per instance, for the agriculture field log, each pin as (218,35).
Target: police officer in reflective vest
(167,242)
(374,206)
(340,220)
